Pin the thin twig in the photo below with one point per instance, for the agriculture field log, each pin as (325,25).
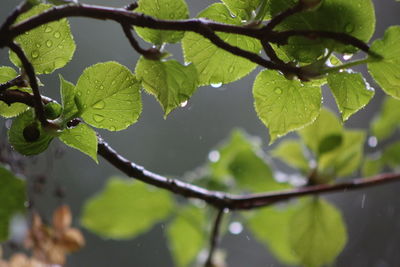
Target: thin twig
(214,239)
(282,16)
(151,53)
(17,81)
(30,72)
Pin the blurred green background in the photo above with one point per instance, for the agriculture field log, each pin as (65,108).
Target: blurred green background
(182,142)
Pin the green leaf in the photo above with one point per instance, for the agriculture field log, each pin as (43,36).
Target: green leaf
(241,161)
(388,120)
(18,140)
(357,18)
(284,105)
(186,235)
(292,153)
(162,9)
(126,209)
(351,92)
(386,71)
(208,58)
(327,124)
(109,96)
(317,233)
(83,138)
(52,110)
(372,166)
(243,9)
(48,47)
(67,92)
(7,74)
(169,81)
(270,226)
(391,155)
(346,158)
(329,143)
(12,199)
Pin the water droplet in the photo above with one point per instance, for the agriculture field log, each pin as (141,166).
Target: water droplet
(99,105)
(214,156)
(112,128)
(347,56)
(183,104)
(349,28)
(372,141)
(278,90)
(216,85)
(49,43)
(101,87)
(231,69)
(47,71)
(57,35)
(113,82)
(79,93)
(48,29)
(98,118)
(60,46)
(235,228)
(35,54)
(38,45)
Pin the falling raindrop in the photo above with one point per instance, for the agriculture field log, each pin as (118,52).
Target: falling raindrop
(235,228)
(363,201)
(183,104)
(214,156)
(216,85)
(347,56)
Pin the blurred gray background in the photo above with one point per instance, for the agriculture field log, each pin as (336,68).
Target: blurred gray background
(182,142)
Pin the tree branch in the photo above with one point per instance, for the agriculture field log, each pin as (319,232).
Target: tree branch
(214,239)
(17,81)
(201,26)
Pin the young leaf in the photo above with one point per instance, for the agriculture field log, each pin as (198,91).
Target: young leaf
(7,74)
(372,166)
(162,9)
(27,136)
(327,124)
(357,18)
(386,71)
(317,233)
(109,96)
(292,153)
(83,138)
(186,236)
(208,58)
(243,9)
(270,226)
(391,155)
(351,92)
(329,143)
(241,160)
(12,199)
(126,209)
(169,81)
(284,105)
(48,47)
(388,120)
(346,158)
(67,92)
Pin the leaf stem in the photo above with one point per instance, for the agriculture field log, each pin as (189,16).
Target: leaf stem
(214,238)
